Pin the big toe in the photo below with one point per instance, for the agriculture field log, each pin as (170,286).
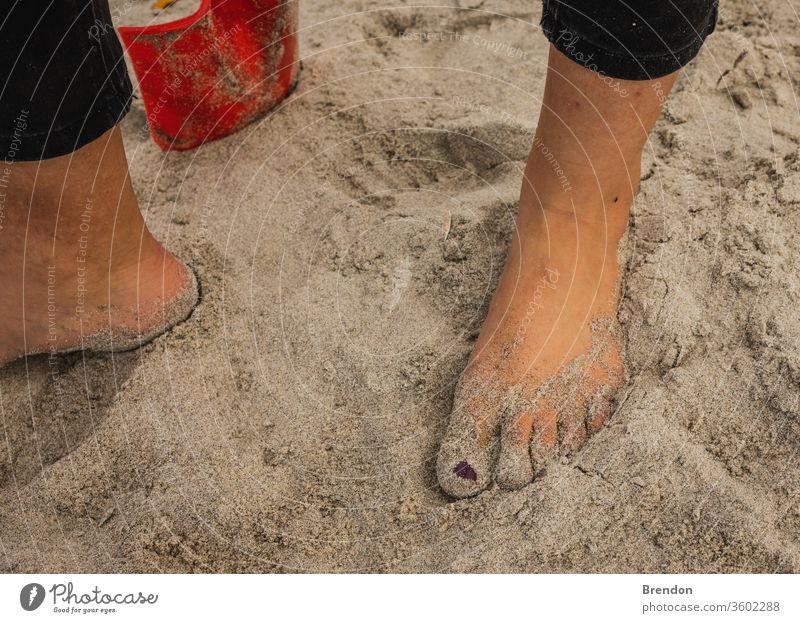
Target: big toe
(465,461)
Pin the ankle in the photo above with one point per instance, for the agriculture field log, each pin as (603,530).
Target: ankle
(597,203)
(598,227)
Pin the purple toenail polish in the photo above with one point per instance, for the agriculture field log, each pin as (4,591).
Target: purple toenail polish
(464,470)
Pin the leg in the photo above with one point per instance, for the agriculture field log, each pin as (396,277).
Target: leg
(80,268)
(548,361)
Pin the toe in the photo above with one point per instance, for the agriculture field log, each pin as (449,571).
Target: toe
(466,455)
(605,375)
(598,412)
(463,467)
(593,403)
(514,469)
(572,426)
(544,440)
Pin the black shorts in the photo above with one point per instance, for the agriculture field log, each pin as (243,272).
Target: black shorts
(629,39)
(63,81)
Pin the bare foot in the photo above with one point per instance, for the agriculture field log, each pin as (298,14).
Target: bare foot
(547,364)
(81,270)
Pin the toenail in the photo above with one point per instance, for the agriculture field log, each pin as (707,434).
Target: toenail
(464,470)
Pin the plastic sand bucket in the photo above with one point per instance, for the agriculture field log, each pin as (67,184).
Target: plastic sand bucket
(207,75)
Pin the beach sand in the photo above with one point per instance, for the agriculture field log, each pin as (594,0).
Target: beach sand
(348,245)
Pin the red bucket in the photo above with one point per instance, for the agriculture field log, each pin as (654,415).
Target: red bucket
(207,75)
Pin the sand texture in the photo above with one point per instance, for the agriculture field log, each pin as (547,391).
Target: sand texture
(348,246)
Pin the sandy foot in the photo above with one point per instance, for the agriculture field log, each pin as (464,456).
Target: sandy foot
(510,433)
(117,329)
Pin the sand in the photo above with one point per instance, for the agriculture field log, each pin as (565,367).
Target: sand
(292,423)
